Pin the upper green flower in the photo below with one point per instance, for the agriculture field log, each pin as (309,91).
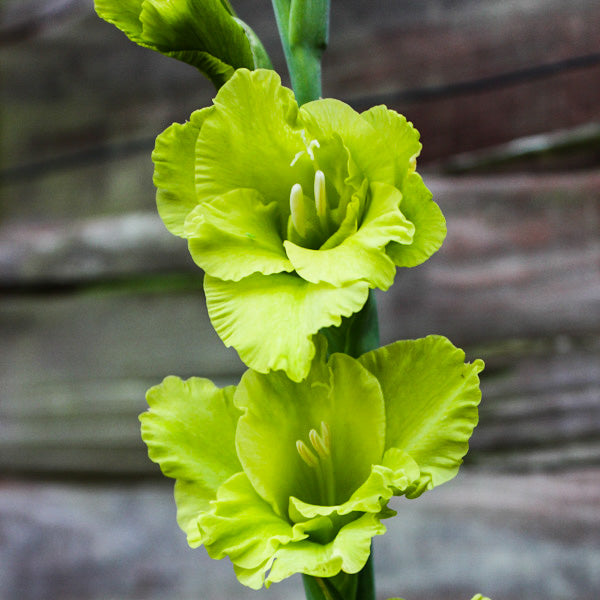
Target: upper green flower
(286,477)
(293,213)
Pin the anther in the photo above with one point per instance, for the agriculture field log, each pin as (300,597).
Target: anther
(321,197)
(318,443)
(297,209)
(307,455)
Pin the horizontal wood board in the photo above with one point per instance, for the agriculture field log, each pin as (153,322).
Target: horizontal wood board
(78,98)
(98,302)
(511,537)
(97,310)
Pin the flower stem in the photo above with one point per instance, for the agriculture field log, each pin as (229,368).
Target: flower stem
(304,30)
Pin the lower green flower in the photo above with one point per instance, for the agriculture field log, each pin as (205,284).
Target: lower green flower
(285,477)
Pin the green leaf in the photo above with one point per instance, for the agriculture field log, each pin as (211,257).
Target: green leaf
(174,171)
(204,34)
(236,235)
(431,399)
(304,30)
(281,308)
(357,333)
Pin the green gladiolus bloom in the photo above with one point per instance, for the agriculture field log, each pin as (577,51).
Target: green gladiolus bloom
(293,213)
(291,477)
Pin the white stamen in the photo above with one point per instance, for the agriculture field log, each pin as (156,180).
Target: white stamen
(297,157)
(307,455)
(297,209)
(309,145)
(321,443)
(313,144)
(321,197)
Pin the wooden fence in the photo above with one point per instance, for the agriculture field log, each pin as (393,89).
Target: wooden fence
(98,302)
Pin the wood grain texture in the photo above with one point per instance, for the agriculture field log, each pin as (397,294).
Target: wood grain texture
(516,283)
(98,302)
(74,161)
(511,537)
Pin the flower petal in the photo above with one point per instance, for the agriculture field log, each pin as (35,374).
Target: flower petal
(251,139)
(347,552)
(361,256)
(431,399)
(279,412)
(402,141)
(189,430)
(400,137)
(327,117)
(242,526)
(192,499)
(430,225)
(174,171)
(236,235)
(282,310)
(398,473)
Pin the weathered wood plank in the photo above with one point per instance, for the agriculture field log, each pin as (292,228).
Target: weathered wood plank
(74,410)
(511,537)
(81,89)
(517,283)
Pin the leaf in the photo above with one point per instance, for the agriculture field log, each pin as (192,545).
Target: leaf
(203,34)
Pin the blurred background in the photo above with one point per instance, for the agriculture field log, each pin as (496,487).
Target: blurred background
(98,302)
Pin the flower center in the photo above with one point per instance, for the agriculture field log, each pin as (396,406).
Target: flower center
(319,460)
(310,218)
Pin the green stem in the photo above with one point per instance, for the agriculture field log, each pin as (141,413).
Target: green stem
(304,29)
(360,586)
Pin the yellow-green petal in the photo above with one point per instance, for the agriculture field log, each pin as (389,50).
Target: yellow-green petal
(242,526)
(401,139)
(278,412)
(347,552)
(251,139)
(360,257)
(431,399)
(430,224)
(328,117)
(270,319)
(189,429)
(174,171)
(396,474)
(236,235)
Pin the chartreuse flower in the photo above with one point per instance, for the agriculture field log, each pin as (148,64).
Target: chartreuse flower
(204,33)
(285,477)
(293,213)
